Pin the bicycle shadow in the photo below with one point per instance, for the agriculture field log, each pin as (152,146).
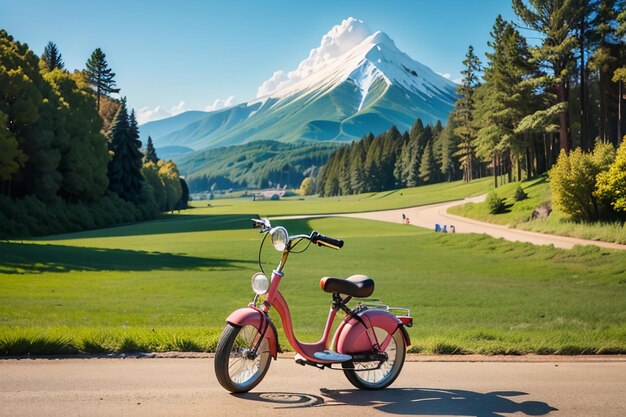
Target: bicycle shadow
(412,401)
(437,401)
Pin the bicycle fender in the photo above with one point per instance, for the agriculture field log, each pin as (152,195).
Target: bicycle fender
(253,317)
(352,337)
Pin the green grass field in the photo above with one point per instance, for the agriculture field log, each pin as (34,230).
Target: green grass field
(170,284)
(394,199)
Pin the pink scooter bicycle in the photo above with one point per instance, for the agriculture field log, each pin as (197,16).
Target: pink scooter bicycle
(369,345)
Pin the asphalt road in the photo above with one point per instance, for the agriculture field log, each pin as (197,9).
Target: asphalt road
(187,387)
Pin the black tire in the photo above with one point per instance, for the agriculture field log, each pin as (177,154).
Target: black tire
(234,369)
(389,371)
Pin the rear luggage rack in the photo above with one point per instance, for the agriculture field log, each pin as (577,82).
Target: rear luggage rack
(403,314)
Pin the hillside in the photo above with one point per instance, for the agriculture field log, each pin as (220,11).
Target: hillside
(161,128)
(255,165)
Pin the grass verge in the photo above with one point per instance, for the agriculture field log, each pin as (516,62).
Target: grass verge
(518,215)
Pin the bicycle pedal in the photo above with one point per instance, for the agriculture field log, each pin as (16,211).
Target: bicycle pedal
(299,359)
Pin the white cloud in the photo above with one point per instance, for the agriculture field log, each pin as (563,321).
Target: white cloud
(220,104)
(457,80)
(339,40)
(178,109)
(146,114)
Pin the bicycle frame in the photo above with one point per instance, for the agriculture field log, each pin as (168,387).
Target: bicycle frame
(354,336)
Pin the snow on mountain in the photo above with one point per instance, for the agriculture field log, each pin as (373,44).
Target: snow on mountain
(350,50)
(354,83)
(337,42)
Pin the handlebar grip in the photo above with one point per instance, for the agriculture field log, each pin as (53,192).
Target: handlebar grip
(260,223)
(322,240)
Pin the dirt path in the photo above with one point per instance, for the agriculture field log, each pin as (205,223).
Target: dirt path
(430,215)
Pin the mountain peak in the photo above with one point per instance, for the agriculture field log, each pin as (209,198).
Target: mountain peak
(381,38)
(339,40)
(355,82)
(351,50)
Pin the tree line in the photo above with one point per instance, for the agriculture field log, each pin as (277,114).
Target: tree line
(70,155)
(389,160)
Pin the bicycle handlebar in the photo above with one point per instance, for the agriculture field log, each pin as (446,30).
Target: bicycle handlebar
(329,242)
(261,223)
(315,237)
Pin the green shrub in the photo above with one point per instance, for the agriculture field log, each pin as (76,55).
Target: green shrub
(308,186)
(573,181)
(497,205)
(611,184)
(520,194)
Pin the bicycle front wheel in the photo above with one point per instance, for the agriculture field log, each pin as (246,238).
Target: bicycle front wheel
(237,369)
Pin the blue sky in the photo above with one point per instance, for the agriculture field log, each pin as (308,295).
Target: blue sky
(197,52)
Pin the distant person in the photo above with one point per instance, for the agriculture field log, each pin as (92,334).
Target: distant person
(452,229)
(403,218)
(407,221)
(444,229)
(437,228)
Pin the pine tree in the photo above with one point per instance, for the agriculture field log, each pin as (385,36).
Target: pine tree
(610,54)
(184,198)
(411,154)
(463,114)
(100,76)
(427,165)
(555,21)
(445,151)
(401,165)
(151,155)
(357,162)
(585,39)
(52,57)
(501,100)
(134,129)
(125,177)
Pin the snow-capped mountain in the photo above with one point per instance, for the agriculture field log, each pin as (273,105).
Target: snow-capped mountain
(354,83)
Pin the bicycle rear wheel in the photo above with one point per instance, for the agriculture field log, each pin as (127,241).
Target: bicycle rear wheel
(363,376)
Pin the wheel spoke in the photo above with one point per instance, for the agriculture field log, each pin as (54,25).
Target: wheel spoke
(236,368)
(241,368)
(367,376)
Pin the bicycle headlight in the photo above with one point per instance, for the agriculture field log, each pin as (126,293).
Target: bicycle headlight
(280,238)
(260,283)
